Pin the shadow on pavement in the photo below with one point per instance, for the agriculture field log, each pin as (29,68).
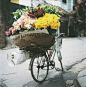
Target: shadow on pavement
(57,81)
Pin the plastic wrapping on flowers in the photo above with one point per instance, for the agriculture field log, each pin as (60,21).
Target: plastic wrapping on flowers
(33,19)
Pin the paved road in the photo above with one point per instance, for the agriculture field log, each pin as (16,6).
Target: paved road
(73,51)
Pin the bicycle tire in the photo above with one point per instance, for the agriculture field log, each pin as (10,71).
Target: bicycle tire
(39,66)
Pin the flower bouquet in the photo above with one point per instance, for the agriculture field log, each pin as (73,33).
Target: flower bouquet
(34,21)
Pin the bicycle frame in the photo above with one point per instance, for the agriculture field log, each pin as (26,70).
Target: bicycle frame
(55,48)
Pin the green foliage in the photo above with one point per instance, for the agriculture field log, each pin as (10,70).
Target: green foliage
(52,10)
(48,9)
(20,12)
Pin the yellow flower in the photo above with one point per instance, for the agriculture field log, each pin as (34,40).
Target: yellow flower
(58,24)
(48,20)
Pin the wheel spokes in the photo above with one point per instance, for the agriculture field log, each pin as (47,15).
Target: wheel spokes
(39,69)
(38,73)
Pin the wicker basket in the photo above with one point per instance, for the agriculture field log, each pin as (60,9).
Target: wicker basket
(34,40)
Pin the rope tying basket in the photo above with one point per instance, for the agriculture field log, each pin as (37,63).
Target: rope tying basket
(34,40)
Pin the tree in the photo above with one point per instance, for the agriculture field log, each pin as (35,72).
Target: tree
(4,20)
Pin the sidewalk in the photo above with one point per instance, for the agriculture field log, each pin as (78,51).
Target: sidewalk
(74,60)
(82,78)
(80,69)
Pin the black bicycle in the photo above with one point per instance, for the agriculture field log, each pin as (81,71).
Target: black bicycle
(42,60)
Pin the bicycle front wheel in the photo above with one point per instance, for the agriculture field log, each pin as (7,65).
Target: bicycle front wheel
(39,68)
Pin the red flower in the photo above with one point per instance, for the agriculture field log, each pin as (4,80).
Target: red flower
(33,16)
(39,8)
(29,12)
(39,13)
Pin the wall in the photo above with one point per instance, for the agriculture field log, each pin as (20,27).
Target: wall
(25,2)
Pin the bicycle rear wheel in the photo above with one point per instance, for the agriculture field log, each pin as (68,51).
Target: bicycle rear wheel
(39,68)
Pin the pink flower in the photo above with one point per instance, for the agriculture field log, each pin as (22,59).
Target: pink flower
(8,31)
(11,28)
(13,31)
(33,18)
(26,15)
(22,23)
(7,34)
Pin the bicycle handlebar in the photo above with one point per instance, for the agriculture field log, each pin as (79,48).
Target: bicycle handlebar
(61,35)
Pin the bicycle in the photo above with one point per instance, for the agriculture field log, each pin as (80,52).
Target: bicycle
(42,60)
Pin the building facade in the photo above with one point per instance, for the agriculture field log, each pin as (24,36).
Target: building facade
(15,1)
(22,2)
(65,4)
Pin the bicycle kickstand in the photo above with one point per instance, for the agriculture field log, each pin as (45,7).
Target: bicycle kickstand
(60,58)
(61,65)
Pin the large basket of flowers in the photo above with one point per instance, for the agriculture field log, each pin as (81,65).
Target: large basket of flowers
(34,40)
(34,20)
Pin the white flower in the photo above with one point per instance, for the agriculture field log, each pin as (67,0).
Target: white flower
(17,28)
(23,17)
(15,23)
(28,26)
(19,21)
(32,21)
(15,17)
(19,13)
